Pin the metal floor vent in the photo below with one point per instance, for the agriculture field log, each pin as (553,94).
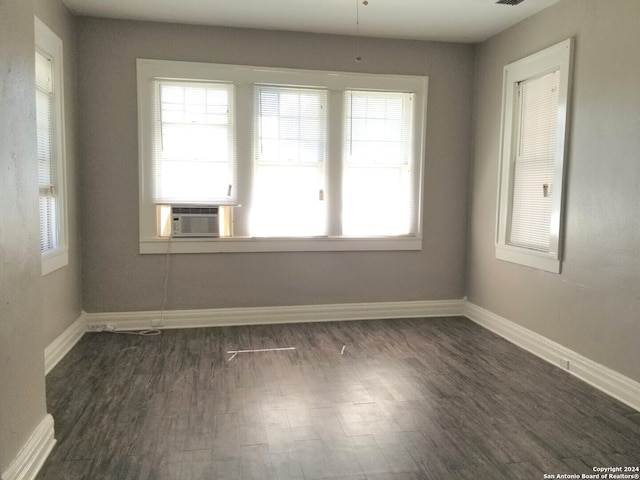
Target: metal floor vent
(509,2)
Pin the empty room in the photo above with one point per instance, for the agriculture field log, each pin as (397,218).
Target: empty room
(353,239)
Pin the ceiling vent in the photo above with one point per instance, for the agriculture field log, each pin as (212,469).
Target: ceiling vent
(509,2)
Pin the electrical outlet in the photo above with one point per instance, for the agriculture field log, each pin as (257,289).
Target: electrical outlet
(156,323)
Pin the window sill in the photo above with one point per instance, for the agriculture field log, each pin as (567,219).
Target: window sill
(548,262)
(239,245)
(54,259)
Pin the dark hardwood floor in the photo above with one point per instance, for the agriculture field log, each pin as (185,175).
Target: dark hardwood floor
(407,399)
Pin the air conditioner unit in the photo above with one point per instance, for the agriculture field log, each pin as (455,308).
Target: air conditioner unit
(196,221)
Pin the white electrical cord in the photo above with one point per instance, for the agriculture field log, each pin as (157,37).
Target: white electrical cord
(150,332)
(155,331)
(166,280)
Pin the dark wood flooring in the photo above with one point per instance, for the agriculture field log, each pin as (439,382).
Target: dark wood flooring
(408,399)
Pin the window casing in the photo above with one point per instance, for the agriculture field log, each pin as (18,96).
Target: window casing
(50,148)
(534,132)
(291,167)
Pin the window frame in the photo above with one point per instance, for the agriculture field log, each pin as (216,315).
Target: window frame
(226,192)
(50,45)
(555,58)
(245,78)
(264,162)
(352,162)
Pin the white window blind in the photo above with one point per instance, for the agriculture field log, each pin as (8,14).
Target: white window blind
(45,152)
(535,162)
(50,150)
(378,197)
(194,159)
(289,162)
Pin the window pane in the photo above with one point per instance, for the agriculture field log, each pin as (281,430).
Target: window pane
(195,142)
(45,152)
(287,202)
(47,223)
(376,201)
(289,162)
(44,138)
(534,164)
(193,181)
(291,125)
(194,154)
(44,80)
(378,196)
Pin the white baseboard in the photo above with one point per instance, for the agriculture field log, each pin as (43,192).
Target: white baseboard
(609,381)
(57,349)
(33,454)
(271,315)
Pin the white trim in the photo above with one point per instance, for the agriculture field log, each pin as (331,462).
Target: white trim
(529,258)
(271,315)
(54,259)
(51,46)
(239,244)
(57,349)
(148,71)
(557,57)
(609,381)
(33,454)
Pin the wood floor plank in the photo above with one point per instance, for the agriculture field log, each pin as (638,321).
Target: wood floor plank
(365,400)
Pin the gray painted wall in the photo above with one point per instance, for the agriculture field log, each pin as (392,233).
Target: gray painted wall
(117,278)
(62,289)
(22,389)
(593,306)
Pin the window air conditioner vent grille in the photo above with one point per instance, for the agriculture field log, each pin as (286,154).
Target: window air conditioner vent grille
(196,210)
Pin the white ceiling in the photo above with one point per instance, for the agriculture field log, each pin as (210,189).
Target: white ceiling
(467,21)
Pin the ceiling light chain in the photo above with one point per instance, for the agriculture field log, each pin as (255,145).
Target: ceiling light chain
(365,3)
